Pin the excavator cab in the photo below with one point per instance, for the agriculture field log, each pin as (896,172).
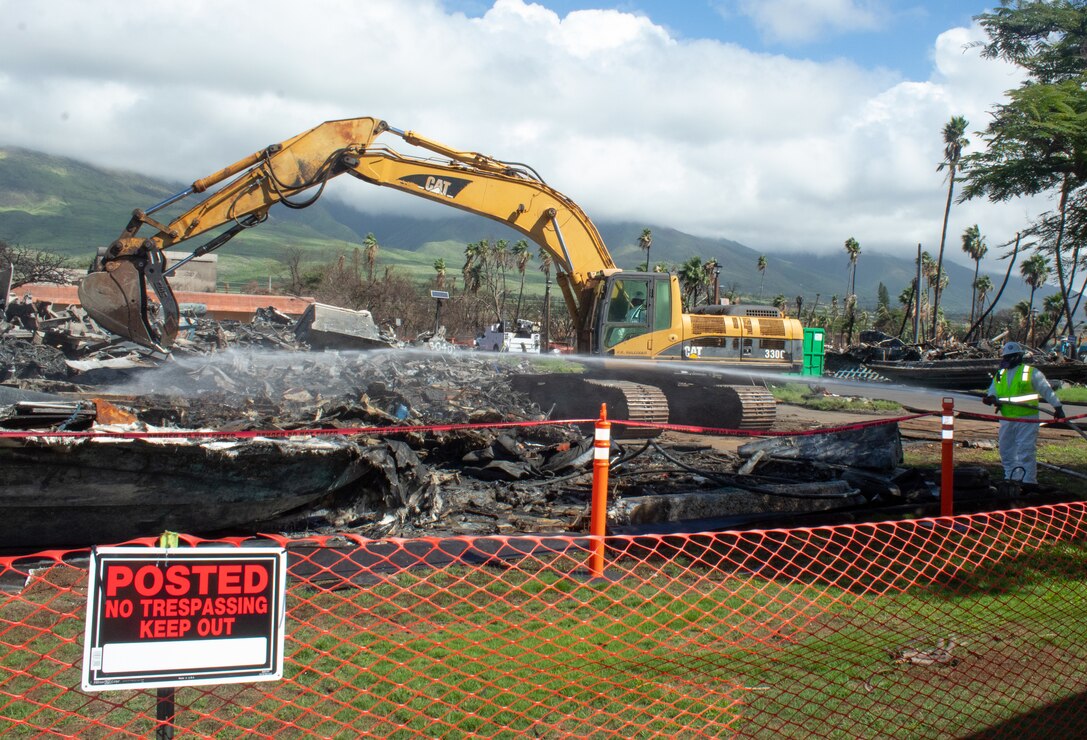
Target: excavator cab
(635,305)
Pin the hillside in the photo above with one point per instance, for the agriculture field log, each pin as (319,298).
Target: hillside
(49,202)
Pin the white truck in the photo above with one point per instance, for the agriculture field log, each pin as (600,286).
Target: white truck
(509,336)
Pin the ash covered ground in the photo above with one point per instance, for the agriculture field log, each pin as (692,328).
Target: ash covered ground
(240,377)
(527,479)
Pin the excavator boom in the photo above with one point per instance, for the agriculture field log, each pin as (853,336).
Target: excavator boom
(294,173)
(627,315)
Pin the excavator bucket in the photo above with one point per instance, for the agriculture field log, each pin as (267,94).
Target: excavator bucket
(116,298)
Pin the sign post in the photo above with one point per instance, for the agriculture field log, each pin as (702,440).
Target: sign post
(160,617)
(438,296)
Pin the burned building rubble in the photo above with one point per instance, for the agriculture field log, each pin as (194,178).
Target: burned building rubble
(400,471)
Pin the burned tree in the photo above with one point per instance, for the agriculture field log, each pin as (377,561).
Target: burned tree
(32,266)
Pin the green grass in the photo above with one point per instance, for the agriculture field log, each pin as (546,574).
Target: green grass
(262,255)
(1076,394)
(800,394)
(1070,455)
(669,649)
(557,365)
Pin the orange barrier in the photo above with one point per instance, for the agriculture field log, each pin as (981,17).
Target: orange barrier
(941,627)
(598,518)
(947,458)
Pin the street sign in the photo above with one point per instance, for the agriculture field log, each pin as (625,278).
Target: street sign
(184,616)
(439,294)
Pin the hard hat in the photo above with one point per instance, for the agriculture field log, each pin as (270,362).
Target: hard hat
(1011,348)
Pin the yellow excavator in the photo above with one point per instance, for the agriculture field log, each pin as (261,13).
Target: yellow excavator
(617,313)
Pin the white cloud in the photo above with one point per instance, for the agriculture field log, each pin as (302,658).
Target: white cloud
(630,122)
(803,20)
(581,34)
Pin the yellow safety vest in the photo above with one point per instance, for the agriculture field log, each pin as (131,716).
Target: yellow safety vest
(1014,386)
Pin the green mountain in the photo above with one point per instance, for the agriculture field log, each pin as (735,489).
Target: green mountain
(60,204)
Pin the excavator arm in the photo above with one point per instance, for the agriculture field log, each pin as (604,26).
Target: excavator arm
(294,173)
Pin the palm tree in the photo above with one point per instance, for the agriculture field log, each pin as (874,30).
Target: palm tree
(853,249)
(954,142)
(983,286)
(545,267)
(499,254)
(762,271)
(1035,271)
(692,276)
(521,256)
(356,262)
(928,272)
(1021,311)
(472,272)
(439,269)
(713,276)
(370,247)
(1052,310)
(645,241)
(908,300)
(973,243)
(545,262)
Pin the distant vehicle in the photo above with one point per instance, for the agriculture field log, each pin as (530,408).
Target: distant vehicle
(508,336)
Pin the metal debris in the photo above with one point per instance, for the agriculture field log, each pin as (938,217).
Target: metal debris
(940,654)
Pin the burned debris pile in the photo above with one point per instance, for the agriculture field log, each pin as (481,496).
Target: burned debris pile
(871,346)
(400,465)
(949,364)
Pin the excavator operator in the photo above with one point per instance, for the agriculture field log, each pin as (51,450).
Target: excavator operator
(636,315)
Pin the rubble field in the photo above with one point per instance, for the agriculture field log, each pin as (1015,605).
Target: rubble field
(62,373)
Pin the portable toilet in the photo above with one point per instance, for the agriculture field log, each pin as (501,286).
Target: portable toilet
(814,350)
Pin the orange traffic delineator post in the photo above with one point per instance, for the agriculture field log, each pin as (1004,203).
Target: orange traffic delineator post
(947,459)
(598,518)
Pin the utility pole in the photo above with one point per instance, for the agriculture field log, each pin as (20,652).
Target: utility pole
(917,300)
(545,340)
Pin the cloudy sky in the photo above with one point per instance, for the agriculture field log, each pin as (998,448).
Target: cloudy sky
(783,124)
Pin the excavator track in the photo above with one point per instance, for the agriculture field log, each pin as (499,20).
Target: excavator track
(757,407)
(692,400)
(566,396)
(643,403)
(704,401)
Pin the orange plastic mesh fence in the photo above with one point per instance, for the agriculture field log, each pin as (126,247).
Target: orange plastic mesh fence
(924,628)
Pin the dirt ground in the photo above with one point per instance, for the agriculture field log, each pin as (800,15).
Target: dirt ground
(925,428)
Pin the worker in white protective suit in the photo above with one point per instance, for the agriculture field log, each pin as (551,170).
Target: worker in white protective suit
(1015,392)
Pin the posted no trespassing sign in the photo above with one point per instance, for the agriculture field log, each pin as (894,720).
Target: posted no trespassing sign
(184,616)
